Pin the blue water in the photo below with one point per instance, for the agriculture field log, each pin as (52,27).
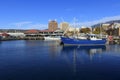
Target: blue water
(47,60)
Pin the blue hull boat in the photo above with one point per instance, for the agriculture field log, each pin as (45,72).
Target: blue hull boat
(82,42)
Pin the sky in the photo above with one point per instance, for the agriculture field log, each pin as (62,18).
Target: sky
(35,14)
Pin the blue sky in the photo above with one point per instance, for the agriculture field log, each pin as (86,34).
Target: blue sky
(35,14)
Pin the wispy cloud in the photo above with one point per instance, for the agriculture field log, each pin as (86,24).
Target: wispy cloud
(38,26)
(27,25)
(32,25)
(22,24)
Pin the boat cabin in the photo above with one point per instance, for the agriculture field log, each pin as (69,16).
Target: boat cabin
(92,37)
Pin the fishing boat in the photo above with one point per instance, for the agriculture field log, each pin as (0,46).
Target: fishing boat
(91,39)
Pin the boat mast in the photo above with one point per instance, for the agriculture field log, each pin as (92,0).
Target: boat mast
(100,30)
(74,26)
(66,28)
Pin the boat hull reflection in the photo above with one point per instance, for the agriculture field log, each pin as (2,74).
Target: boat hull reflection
(83,48)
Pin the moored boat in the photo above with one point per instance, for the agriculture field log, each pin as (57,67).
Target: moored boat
(90,40)
(51,38)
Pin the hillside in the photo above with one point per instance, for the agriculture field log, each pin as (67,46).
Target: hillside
(109,22)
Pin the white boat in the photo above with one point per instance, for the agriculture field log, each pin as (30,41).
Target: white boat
(52,38)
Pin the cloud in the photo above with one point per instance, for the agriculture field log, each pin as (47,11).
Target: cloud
(38,26)
(27,25)
(31,25)
(90,23)
(21,23)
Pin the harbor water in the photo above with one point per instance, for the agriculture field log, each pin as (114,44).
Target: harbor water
(47,60)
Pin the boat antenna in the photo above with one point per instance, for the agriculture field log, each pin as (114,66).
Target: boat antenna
(66,28)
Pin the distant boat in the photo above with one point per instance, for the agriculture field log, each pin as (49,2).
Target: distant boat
(91,39)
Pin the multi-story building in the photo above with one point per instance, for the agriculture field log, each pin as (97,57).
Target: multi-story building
(64,26)
(112,28)
(53,25)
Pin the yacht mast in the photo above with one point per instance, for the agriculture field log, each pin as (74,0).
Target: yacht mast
(74,26)
(100,30)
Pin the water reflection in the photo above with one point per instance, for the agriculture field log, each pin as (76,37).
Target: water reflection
(79,54)
(88,49)
(44,60)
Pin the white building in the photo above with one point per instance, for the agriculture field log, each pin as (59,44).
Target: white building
(73,29)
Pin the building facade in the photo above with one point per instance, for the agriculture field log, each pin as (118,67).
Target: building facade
(64,26)
(53,25)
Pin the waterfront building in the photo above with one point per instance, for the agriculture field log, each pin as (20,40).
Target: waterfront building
(33,35)
(119,31)
(112,29)
(4,35)
(105,26)
(52,25)
(40,34)
(64,26)
(50,33)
